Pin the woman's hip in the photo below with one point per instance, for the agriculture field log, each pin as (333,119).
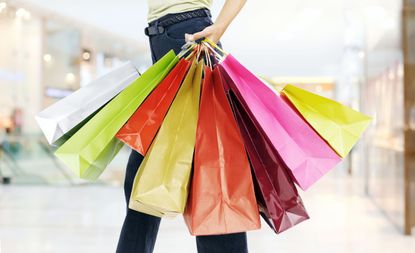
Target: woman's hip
(168,32)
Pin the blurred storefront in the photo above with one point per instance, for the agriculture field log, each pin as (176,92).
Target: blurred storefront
(44,57)
(377,77)
(387,155)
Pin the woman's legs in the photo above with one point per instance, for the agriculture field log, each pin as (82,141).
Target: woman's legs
(139,231)
(230,243)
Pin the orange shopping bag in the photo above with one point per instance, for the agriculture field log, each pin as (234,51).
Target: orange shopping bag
(141,128)
(222,198)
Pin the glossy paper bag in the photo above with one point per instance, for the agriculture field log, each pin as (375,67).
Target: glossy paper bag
(339,125)
(94,145)
(161,184)
(305,153)
(73,110)
(140,129)
(280,203)
(222,198)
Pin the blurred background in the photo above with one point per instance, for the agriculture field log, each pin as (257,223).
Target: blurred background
(359,52)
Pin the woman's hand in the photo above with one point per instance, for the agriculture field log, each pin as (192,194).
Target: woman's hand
(213,32)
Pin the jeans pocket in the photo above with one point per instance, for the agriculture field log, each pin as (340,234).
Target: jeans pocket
(190,26)
(174,37)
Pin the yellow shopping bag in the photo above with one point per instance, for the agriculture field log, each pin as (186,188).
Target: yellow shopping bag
(339,125)
(161,184)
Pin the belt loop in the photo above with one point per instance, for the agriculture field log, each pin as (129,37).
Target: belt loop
(159,28)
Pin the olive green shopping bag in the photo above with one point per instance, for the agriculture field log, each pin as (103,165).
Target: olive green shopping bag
(94,145)
(339,125)
(161,184)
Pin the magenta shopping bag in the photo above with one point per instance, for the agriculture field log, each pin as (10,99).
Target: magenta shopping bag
(307,156)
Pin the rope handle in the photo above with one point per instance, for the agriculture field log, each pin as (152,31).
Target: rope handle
(215,46)
(218,56)
(186,48)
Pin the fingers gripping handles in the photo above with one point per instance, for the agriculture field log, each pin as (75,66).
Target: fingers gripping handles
(210,51)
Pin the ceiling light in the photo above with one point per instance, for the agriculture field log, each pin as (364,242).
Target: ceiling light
(22,13)
(86,56)
(70,78)
(3,5)
(47,57)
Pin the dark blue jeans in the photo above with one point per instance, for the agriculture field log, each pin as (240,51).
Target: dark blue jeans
(139,231)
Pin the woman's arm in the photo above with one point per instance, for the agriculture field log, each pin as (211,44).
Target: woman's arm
(214,32)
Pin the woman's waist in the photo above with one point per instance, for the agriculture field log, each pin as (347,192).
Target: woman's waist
(157,26)
(160,8)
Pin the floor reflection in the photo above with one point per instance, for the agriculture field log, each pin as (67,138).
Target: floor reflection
(88,218)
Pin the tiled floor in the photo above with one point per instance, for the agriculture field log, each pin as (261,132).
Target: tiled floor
(86,219)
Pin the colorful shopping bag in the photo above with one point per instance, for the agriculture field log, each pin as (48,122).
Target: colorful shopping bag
(140,129)
(74,110)
(280,204)
(161,184)
(94,145)
(222,198)
(338,124)
(62,139)
(305,153)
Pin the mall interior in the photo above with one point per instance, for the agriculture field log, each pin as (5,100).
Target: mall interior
(358,52)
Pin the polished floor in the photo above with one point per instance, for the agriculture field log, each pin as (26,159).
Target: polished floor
(86,219)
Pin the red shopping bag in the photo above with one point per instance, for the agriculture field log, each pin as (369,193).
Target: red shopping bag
(280,204)
(222,198)
(141,128)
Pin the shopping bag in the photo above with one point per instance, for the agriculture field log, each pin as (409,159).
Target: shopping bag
(305,153)
(280,204)
(161,184)
(94,145)
(59,142)
(70,112)
(338,124)
(222,198)
(140,129)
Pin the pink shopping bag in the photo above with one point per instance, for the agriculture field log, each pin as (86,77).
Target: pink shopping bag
(307,156)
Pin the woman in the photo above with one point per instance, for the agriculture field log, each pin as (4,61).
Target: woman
(171,24)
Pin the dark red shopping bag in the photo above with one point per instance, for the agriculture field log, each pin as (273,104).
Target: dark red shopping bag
(141,128)
(279,201)
(222,198)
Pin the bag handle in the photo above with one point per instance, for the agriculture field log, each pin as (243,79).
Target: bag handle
(186,48)
(215,46)
(207,57)
(218,56)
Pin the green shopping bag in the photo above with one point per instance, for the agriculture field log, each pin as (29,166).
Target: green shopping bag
(94,145)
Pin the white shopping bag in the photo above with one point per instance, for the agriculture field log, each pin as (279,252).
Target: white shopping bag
(59,118)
